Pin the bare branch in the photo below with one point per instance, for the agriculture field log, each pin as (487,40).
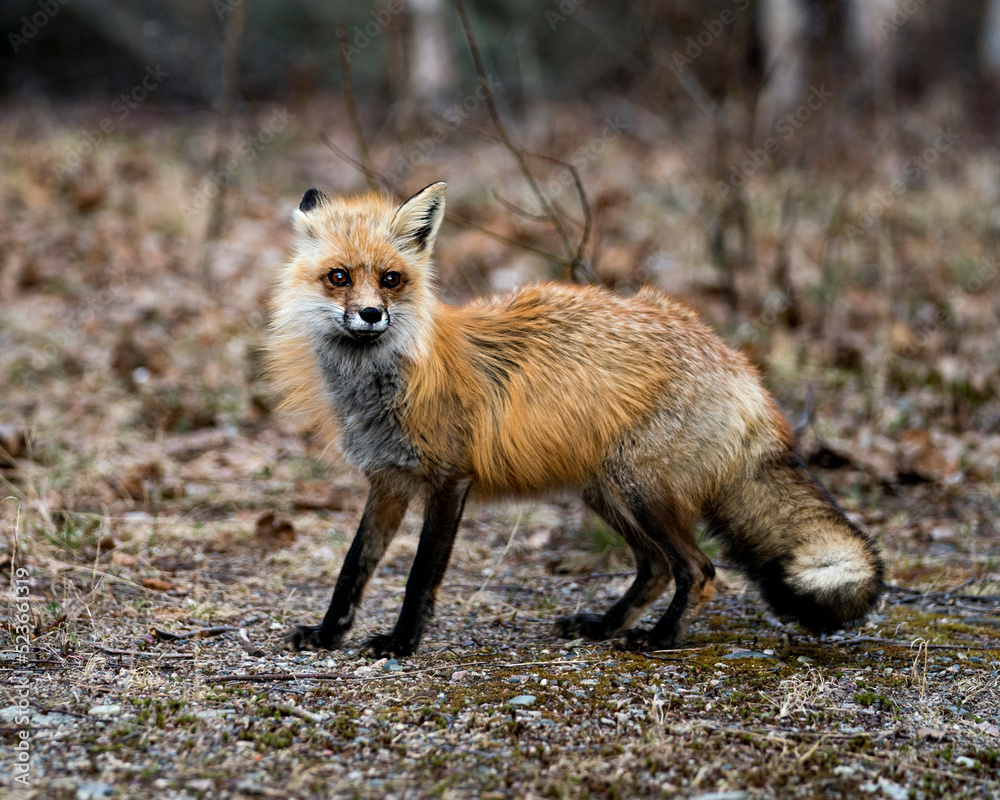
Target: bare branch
(577,265)
(450,216)
(352,108)
(502,133)
(227,104)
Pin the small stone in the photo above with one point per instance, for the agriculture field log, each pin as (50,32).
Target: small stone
(965,761)
(459,675)
(94,790)
(749,654)
(523,700)
(214,713)
(392,665)
(112,710)
(721,796)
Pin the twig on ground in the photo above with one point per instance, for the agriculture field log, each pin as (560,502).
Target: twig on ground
(200,633)
(150,654)
(203,633)
(301,713)
(251,649)
(908,645)
(266,677)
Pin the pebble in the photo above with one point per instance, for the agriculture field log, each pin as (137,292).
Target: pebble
(112,710)
(749,654)
(523,700)
(392,665)
(94,790)
(721,796)
(214,713)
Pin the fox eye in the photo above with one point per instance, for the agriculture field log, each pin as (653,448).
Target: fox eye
(391,280)
(338,277)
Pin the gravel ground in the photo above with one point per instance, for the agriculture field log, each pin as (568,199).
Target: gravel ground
(493,705)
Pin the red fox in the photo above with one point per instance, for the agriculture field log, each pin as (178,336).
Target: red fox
(633,402)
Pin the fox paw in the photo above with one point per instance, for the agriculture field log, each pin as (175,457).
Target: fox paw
(641,640)
(586,625)
(310,637)
(387,645)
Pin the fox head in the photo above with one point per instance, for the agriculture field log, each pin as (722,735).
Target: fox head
(361,274)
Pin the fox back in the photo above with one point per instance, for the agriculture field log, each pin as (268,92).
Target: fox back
(632,401)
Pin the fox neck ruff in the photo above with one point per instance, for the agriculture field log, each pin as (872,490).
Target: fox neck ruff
(366,384)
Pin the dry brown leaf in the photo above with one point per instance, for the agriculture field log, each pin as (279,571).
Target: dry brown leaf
(187,446)
(926,455)
(123,559)
(13,445)
(273,531)
(139,478)
(157,585)
(320,494)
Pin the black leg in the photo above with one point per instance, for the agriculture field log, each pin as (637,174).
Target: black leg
(665,632)
(652,575)
(387,502)
(663,544)
(444,512)
(692,571)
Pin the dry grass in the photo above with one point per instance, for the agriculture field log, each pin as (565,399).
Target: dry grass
(139,458)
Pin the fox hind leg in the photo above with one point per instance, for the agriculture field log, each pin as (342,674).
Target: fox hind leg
(693,572)
(662,541)
(652,575)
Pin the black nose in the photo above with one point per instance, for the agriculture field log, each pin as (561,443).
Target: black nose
(370,315)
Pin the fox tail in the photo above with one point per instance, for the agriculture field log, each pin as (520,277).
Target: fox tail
(786,532)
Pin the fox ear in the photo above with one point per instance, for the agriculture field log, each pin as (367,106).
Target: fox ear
(310,201)
(417,221)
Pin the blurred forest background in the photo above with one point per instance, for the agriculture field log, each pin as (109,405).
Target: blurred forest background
(819,178)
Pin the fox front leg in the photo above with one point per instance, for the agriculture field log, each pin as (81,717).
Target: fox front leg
(444,512)
(387,502)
